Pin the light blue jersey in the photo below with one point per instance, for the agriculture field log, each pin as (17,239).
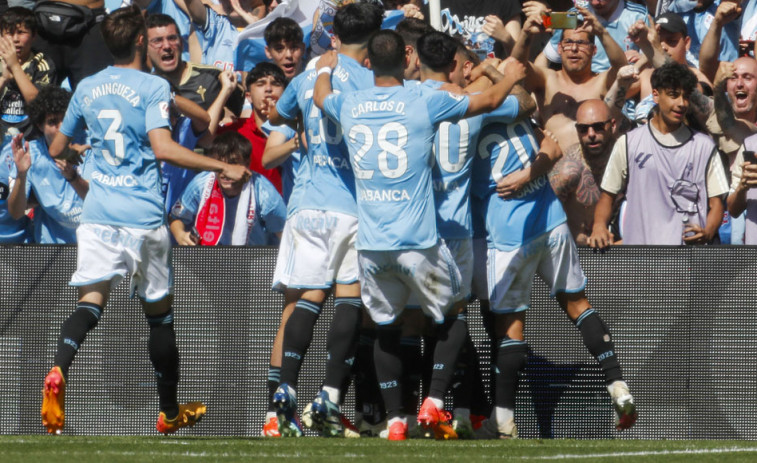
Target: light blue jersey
(270,212)
(624,16)
(59,211)
(219,40)
(330,184)
(119,106)
(504,148)
(390,134)
(292,177)
(11,230)
(454,149)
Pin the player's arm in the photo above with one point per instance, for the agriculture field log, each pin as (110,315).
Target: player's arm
(549,153)
(166,149)
(278,149)
(492,98)
(23,160)
(326,63)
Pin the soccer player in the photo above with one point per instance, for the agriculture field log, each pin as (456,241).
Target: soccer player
(323,228)
(123,228)
(527,235)
(390,136)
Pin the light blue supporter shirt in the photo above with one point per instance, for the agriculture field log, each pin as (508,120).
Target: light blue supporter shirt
(330,184)
(503,148)
(119,106)
(270,212)
(454,149)
(390,134)
(219,40)
(11,230)
(59,211)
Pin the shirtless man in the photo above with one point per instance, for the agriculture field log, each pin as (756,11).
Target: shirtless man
(558,93)
(576,177)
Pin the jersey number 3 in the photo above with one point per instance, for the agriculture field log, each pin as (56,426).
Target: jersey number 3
(113,135)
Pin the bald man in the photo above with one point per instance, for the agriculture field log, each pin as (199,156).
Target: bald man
(576,177)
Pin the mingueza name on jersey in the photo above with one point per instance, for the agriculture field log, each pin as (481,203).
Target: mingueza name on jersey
(108,235)
(109,180)
(323,160)
(384,195)
(315,224)
(532,186)
(389,268)
(385,106)
(117,89)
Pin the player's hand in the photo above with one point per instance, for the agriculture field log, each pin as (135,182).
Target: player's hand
(510,185)
(601,238)
(513,69)
(328,59)
(412,11)
(727,12)
(694,234)
(21,156)
(236,173)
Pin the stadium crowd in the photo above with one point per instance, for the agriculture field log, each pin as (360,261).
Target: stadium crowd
(403,169)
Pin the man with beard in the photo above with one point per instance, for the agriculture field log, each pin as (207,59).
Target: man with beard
(558,93)
(576,177)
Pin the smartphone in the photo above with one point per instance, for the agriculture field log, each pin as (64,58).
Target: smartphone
(560,20)
(750,157)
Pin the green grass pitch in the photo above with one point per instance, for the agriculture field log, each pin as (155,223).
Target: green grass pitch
(58,449)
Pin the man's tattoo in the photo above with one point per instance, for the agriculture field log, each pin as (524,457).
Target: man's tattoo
(723,109)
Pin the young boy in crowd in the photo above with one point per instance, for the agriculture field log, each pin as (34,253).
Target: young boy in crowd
(284,45)
(215,210)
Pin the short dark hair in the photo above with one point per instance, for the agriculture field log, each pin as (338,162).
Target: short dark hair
(120,30)
(411,29)
(159,20)
(386,51)
(283,29)
(355,22)
(18,16)
(231,148)
(51,99)
(437,50)
(265,69)
(672,75)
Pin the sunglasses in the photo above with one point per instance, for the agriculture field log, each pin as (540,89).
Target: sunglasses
(597,126)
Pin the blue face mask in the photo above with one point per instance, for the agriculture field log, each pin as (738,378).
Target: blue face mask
(682,6)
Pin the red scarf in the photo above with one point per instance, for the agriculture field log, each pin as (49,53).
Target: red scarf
(211,216)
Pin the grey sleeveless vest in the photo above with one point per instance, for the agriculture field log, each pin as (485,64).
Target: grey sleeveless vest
(666,187)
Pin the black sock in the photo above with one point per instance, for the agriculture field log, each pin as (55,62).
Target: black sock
(297,336)
(427,367)
(512,356)
(463,380)
(597,339)
(388,359)
(165,360)
(274,375)
(341,341)
(72,333)
(412,355)
(367,393)
(449,342)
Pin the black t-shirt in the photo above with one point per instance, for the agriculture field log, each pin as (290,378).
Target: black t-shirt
(202,87)
(465,18)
